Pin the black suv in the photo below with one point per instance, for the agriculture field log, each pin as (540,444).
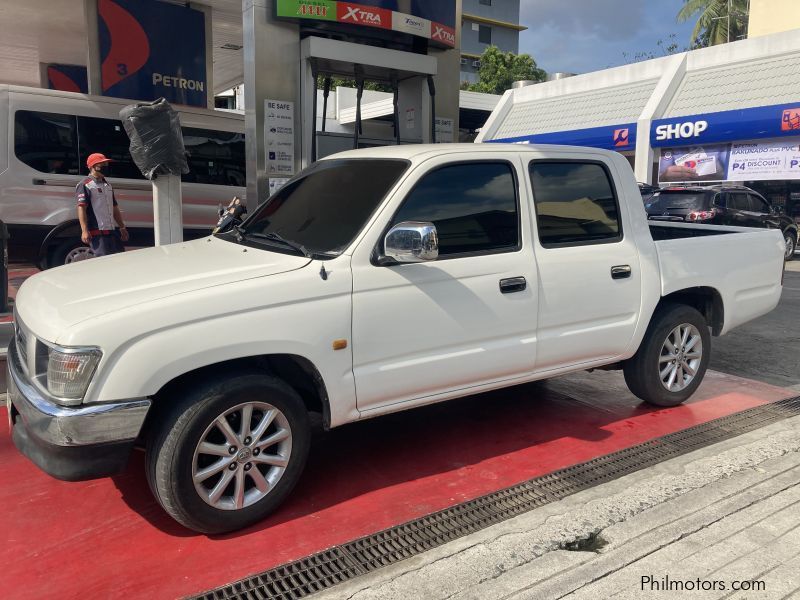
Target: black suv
(721,205)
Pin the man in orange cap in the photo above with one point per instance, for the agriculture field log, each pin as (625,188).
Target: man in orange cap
(98,212)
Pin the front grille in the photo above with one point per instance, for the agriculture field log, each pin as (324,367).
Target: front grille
(21,339)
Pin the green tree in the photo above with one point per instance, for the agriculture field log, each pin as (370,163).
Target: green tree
(500,69)
(718,21)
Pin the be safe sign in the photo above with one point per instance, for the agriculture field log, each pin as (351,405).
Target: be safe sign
(279,137)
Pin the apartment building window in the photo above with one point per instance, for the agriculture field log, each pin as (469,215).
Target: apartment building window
(485,34)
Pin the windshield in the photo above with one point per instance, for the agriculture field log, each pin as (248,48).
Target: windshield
(321,211)
(677,200)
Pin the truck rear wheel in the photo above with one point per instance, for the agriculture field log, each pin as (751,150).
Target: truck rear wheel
(673,358)
(229,452)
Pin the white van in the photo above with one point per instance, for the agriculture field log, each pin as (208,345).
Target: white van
(48,136)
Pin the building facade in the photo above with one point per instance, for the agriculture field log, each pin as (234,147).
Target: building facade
(728,113)
(772,16)
(487,23)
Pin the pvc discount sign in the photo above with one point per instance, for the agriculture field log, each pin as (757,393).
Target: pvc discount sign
(151,49)
(432,20)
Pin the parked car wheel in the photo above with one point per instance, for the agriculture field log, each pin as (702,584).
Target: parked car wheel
(790,237)
(673,357)
(229,452)
(69,252)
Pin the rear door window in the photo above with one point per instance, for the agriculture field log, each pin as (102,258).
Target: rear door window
(109,137)
(215,157)
(575,203)
(47,142)
(739,201)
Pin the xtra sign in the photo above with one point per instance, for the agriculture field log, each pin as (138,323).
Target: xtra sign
(152,49)
(357,14)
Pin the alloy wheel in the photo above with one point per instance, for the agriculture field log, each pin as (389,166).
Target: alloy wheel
(242,455)
(680,357)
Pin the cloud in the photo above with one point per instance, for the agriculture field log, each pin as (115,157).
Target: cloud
(616,19)
(598,34)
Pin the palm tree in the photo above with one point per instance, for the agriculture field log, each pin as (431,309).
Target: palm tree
(718,21)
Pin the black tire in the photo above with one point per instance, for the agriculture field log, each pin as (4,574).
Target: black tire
(642,371)
(790,237)
(171,448)
(58,255)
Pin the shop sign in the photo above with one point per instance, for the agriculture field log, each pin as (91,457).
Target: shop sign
(324,10)
(621,138)
(766,160)
(279,137)
(151,50)
(358,14)
(411,24)
(762,122)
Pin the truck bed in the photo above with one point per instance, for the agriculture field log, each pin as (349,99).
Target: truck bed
(662,231)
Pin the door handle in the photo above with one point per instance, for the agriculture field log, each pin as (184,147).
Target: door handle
(513,284)
(621,272)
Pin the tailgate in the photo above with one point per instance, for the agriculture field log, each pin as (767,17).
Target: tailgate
(745,266)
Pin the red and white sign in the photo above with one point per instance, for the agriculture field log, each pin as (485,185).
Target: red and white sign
(443,34)
(358,14)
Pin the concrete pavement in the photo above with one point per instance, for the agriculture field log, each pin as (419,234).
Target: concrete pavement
(718,517)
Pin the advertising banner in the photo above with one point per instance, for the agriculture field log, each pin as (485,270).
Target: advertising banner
(742,161)
(67,78)
(151,49)
(761,122)
(435,21)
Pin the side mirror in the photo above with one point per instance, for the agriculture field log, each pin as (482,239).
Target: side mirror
(412,242)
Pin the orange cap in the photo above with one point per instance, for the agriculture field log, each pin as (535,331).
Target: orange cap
(96,159)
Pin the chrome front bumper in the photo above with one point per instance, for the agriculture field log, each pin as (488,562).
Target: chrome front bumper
(81,442)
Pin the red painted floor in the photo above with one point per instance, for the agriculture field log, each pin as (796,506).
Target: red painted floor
(108,538)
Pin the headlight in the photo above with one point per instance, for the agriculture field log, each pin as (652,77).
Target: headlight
(69,371)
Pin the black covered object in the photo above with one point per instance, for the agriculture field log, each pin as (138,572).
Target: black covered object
(156,139)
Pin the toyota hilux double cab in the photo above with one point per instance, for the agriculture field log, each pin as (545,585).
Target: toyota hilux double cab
(722,205)
(375,281)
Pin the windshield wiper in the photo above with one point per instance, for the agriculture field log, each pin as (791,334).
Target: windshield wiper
(275,237)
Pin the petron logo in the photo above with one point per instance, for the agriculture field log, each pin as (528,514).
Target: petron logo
(363,15)
(790,121)
(621,137)
(444,34)
(685,130)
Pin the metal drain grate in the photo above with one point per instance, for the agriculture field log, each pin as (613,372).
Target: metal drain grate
(326,569)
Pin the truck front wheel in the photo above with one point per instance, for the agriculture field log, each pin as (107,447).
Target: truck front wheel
(673,357)
(229,452)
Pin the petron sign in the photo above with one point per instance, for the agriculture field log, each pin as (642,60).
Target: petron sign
(151,49)
(621,138)
(434,21)
(779,120)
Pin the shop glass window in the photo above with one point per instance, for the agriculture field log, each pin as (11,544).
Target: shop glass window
(109,137)
(738,201)
(485,34)
(46,142)
(473,205)
(575,204)
(215,157)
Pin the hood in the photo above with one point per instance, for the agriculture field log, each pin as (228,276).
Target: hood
(54,300)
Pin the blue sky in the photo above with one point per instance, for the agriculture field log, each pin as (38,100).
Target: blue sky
(579,36)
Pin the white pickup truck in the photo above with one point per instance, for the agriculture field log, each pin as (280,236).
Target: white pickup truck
(375,281)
